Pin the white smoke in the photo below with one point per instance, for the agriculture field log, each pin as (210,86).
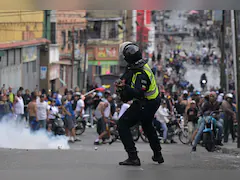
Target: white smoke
(17,136)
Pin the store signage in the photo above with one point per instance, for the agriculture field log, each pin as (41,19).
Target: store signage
(29,54)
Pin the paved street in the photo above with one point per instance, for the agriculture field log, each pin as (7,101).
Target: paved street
(83,162)
(194,73)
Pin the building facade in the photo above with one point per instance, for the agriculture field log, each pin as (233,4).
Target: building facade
(105,33)
(20,48)
(68,29)
(20,63)
(18,25)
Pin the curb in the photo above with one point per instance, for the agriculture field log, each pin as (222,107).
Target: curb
(235,152)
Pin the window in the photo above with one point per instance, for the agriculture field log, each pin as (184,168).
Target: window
(82,37)
(17,56)
(98,70)
(114,69)
(4,60)
(94,31)
(103,29)
(63,39)
(112,29)
(69,36)
(53,33)
(76,37)
(69,39)
(10,57)
(34,66)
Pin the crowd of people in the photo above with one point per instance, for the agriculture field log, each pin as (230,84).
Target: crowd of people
(39,108)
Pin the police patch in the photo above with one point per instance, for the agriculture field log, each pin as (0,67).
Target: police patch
(144,87)
(143,81)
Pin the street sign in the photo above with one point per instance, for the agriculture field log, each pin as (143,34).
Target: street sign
(43,72)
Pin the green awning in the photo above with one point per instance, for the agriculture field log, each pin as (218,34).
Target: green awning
(103,62)
(2,53)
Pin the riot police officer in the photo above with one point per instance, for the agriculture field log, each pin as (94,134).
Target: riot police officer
(138,84)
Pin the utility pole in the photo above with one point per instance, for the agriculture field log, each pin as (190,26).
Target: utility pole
(85,58)
(227,72)
(141,32)
(73,56)
(222,71)
(236,61)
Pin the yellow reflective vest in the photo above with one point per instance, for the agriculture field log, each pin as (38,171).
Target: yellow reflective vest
(152,91)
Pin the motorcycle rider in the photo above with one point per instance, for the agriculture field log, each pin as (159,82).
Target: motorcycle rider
(138,84)
(203,81)
(229,116)
(208,107)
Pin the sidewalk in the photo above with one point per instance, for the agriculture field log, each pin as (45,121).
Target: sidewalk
(230,148)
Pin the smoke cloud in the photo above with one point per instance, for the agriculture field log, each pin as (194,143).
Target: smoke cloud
(17,136)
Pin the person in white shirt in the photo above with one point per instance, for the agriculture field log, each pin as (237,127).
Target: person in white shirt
(105,109)
(42,112)
(19,106)
(80,105)
(53,110)
(162,118)
(169,71)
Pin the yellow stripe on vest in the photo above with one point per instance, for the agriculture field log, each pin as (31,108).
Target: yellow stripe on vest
(152,91)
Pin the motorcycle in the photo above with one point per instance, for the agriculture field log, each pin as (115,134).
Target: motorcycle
(58,126)
(203,84)
(209,132)
(81,124)
(175,127)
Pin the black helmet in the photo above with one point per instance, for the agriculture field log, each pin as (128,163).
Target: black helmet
(132,53)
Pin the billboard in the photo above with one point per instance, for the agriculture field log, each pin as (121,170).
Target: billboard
(106,53)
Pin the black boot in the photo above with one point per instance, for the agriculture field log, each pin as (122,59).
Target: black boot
(133,160)
(157,157)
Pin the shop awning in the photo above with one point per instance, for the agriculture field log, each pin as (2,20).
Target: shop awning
(15,44)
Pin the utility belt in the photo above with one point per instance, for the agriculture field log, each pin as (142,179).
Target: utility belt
(143,102)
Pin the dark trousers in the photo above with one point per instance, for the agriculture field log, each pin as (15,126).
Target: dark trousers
(144,113)
(228,127)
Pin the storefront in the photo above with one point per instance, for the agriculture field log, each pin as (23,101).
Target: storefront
(30,66)
(20,63)
(102,60)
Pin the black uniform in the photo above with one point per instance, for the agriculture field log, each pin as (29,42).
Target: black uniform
(142,110)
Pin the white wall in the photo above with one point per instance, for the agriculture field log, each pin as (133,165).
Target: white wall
(11,70)
(54,53)
(11,76)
